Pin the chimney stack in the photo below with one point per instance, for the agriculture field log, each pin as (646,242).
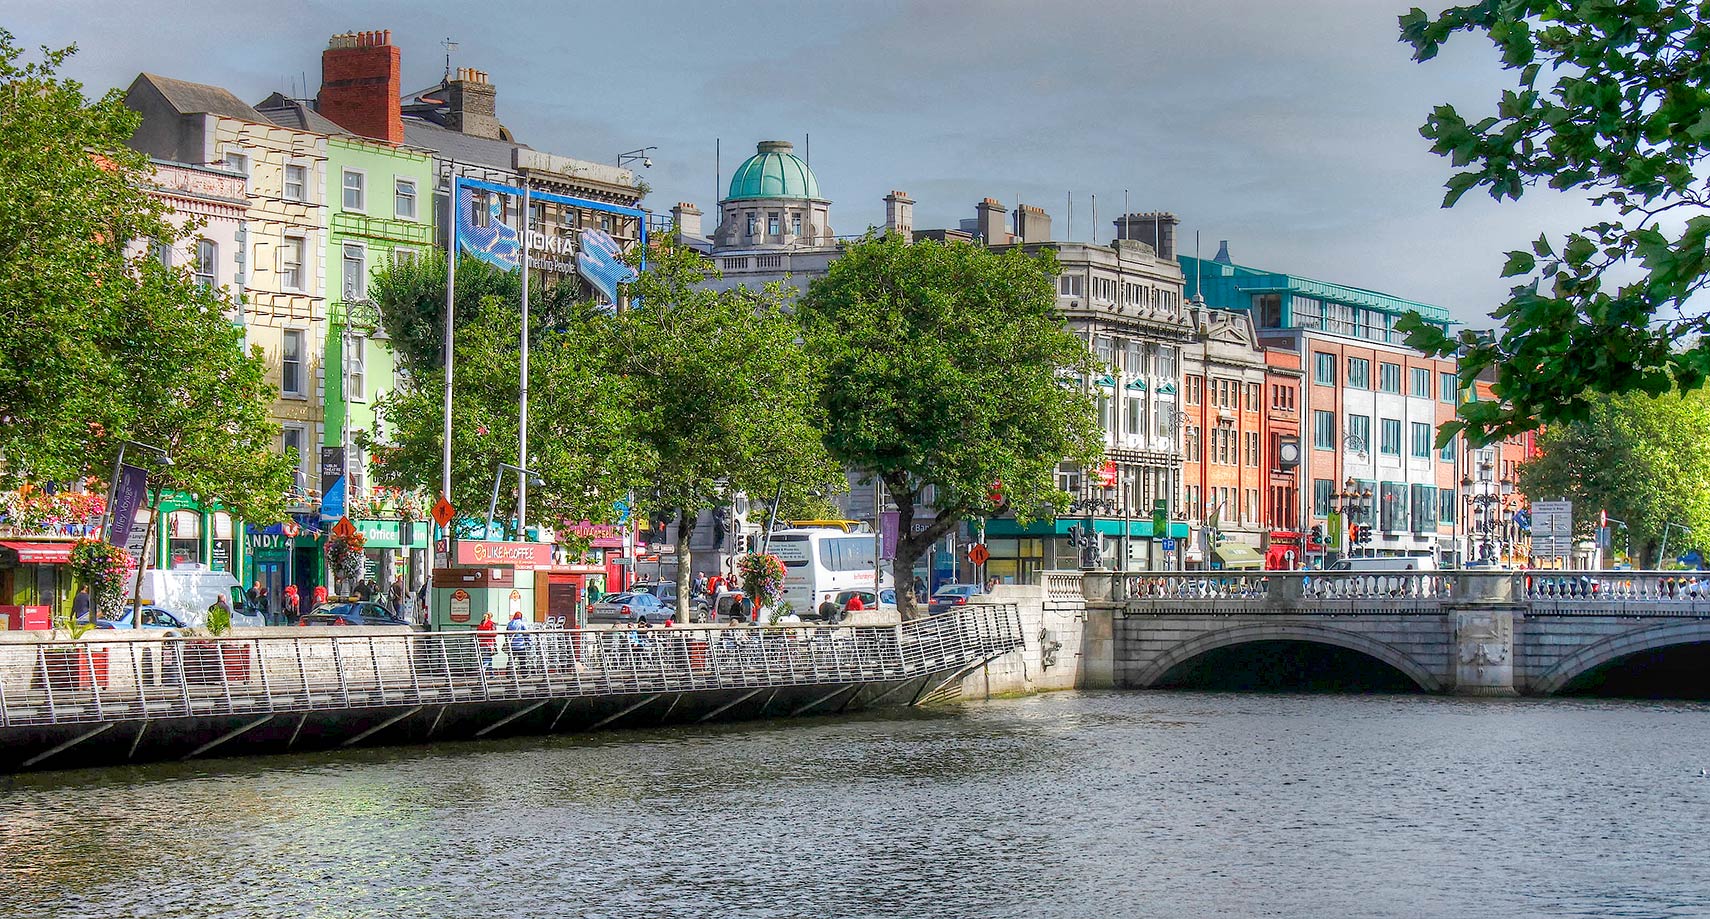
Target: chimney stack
(899,214)
(686,218)
(988,218)
(361,85)
(1154,228)
(1222,252)
(474,104)
(1032,224)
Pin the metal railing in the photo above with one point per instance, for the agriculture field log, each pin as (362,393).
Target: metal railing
(93,680)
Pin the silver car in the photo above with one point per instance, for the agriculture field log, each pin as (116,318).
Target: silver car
(630,608)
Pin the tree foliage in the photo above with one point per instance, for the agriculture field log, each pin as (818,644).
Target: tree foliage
(98,342)
(1636,456)
(944,377)
(1611,100)
(717,390)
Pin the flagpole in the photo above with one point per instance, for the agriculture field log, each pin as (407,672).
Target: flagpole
(522,416)
(450,315)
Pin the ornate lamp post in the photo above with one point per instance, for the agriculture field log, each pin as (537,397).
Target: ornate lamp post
(1354,503)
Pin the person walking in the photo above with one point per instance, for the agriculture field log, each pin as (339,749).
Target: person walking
(395,596)
(293,608)
(518,627)
(320,595)
(80,605)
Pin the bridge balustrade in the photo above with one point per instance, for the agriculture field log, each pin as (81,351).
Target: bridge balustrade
(109,678)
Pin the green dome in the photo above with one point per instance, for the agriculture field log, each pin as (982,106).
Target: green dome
(773,172)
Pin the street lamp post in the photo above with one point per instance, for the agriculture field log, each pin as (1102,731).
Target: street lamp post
(498,476)
(161,456)
(1354,503)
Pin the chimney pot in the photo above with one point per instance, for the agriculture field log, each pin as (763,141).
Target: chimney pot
(361,85)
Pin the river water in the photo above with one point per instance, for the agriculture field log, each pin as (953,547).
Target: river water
(1064,805)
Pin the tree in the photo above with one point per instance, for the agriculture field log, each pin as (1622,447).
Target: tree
(947,372)
(1640,458)
(717,389)
(98,342)
(1611,100)
(578,441)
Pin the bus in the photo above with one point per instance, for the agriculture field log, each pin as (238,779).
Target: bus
(820,562)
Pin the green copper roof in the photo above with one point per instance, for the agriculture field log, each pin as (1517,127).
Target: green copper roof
(773,172)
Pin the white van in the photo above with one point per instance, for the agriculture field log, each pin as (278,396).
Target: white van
(1389,563)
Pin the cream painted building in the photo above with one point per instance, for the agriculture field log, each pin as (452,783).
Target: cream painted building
(283,259)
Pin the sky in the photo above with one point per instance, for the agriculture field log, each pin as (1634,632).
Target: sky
(1289,129)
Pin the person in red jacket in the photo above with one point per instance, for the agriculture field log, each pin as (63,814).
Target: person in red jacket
(487,639)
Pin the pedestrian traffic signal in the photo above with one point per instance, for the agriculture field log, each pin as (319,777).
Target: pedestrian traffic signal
(1317,533)
(1363,533)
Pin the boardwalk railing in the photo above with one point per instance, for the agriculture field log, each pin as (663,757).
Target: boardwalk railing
(1546,592)
(59,682)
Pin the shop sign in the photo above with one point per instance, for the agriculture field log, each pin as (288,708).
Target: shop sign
(222,560)
(516,554)
(257,541)
(460,605)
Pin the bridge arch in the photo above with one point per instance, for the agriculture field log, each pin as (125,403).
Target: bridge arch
(1615,647)
(1285,631)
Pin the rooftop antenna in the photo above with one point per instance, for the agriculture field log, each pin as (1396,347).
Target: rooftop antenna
(807,149)
(1125,234)
(1071,220)
(1094,238)
(717,167)
(305,94)
(1198,294)
(450,46)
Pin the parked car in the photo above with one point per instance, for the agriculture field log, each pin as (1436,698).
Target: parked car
(887,602)
(667,594)
(629,608)
(358,612)
(153,617)
(951,596)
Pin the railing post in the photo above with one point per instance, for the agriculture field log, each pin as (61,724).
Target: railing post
(343,681)
(374,661)
(303,673)
(183,672)
(261,667)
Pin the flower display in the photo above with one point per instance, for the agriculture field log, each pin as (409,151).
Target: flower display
(344,556)
(762,577)
(104,569)
(32,510)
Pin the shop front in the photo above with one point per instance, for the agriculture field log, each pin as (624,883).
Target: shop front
(1019,554)
(35,581)
(395,550)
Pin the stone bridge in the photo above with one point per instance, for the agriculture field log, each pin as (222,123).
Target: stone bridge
(1476,633)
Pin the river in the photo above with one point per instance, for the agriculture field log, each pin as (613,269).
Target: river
(1110,804)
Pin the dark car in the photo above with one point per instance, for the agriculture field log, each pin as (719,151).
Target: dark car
(357,612)
(951,596)
(629,608)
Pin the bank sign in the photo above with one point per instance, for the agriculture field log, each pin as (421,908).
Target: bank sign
(591,253)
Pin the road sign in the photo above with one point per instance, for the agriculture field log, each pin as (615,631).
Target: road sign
(442,511)
(1552,546)
(1168,545)
(344,529)
(1552,518)
(978,553)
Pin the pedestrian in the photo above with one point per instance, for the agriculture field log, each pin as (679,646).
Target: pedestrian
(519,639)
(257,594)
(991,584)
(80,605)
(395,595)
(293,609)
(855,604)
(320,596)
(487,639)
(919,589)
(364,590)
(700,586)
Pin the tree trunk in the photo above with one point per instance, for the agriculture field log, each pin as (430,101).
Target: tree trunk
(685,564)
(911,546)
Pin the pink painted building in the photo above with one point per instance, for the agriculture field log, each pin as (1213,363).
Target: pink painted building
(215,198)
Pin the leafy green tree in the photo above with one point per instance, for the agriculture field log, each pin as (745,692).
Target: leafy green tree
(1611,100)
(945,371)
(578,441)
(718,391)
(1641,458)
(98,342)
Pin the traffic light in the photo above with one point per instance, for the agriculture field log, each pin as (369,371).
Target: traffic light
(1074,535)
(1363,533)
(1317,533)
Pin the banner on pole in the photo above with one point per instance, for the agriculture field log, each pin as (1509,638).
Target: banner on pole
(130,492)
(332,483)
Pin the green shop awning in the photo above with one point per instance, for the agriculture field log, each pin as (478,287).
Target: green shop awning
(1137,526)
(1238,555)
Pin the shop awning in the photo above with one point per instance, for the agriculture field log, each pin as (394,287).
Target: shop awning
(1237,555)
(39,553)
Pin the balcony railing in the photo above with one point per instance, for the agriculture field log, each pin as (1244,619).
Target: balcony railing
(93,679)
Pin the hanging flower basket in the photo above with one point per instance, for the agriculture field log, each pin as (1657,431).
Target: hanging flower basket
(344,556)
(104,569)
(762,577)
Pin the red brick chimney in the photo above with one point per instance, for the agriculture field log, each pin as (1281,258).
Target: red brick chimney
(361,85)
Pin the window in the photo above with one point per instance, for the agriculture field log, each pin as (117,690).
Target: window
(1323,430)
(1447,387)
(1447,454)
(1359,373)
(1321,491)
(1190,443)
(1134,359)
(402,257)
(404,199)
(1136,415)
(1069,285)
(1252,454)
(1389,377)
(1390,437)
(1253,397)
(1420,384)
(207,263)
(1250,509)
(774,224)
(291,263)
(1392,506)
(1424,508)
(355,273)
(1323,368)
(1166,361)
(1195,387)
(1106,418)
(1104,348)
(1360,426)
(296,182)
(1421,433)
(237,162)
(161,252)
(795,224)
(355,191)
(357,372)
(1069,478)
(1282,397)
(1445,506)
(358,470)
(291,363)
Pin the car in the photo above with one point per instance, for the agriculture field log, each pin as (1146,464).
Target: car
(951,596)
(628,608)
(667,594)
(350,612)
(887,602)
(153,617)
